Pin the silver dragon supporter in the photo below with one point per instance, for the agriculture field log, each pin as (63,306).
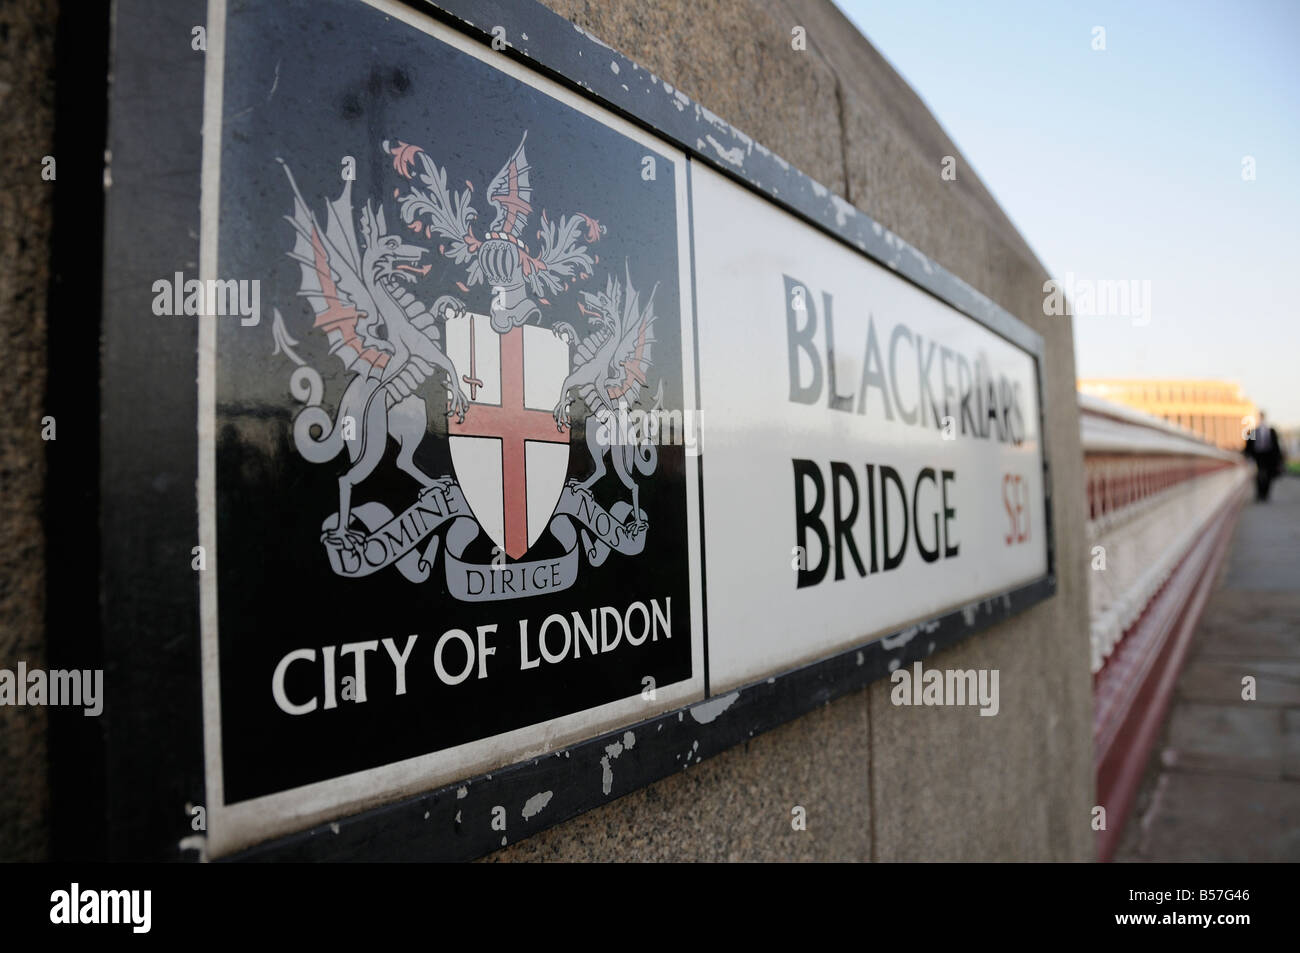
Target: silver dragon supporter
(382,334)
(360,281)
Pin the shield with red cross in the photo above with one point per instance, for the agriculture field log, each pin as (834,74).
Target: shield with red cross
(509,457)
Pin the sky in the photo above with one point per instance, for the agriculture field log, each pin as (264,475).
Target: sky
(1127,164)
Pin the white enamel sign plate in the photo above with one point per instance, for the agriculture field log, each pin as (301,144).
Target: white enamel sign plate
(772,290)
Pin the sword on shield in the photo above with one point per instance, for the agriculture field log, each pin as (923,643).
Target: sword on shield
(450,312)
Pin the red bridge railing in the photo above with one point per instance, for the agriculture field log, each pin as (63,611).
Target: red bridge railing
(1161,507)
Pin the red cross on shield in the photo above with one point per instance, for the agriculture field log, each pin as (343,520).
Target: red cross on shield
(509,458)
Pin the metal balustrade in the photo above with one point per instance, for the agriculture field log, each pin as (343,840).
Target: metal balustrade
(1161,505)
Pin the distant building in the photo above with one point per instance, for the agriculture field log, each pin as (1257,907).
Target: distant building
(1215,411)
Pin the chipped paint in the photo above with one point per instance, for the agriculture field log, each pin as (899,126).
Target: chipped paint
(593,38)
(735,156)
(461,793)
(606,771)
(712,118)
(197,842)
(843,210)
(629,740)
(902,638)
(534,805)
(706,712)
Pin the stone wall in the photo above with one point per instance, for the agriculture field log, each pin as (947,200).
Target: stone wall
(27,104)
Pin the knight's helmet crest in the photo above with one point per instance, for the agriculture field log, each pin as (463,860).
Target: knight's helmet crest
(511,193)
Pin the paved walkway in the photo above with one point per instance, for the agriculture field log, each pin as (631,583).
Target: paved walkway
(1224,782)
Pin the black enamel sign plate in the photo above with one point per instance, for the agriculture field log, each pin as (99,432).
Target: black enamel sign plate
(430,437)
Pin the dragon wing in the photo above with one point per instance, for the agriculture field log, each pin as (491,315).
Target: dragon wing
(511,193)
(332,282)
(632,356)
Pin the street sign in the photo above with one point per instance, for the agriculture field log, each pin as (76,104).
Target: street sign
(551,436)
(435,541)
(876,458)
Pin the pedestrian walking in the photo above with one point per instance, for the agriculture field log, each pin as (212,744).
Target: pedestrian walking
(1263,447)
